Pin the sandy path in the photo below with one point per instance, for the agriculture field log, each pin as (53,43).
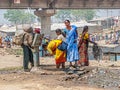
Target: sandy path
(31,82)
(10,61)
(37,86)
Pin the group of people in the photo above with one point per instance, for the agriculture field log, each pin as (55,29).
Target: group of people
(109,37)
(112,37)
(76,51)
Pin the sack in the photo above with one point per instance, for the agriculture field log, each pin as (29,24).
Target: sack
(37,40)
(63,46)
(18,40)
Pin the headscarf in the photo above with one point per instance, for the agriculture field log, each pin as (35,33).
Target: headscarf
(37,30)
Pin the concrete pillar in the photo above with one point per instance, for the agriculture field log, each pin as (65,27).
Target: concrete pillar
(45,24)
(45,16)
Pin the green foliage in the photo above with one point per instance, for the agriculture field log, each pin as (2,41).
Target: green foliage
(63,14)
(75,15)
(19,16)
(89,14)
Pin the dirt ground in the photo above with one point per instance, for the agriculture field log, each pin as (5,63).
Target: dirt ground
(12,77)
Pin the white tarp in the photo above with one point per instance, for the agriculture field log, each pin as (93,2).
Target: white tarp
(78,24)
(8,29)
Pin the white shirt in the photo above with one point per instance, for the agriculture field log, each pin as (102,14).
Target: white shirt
(61,37)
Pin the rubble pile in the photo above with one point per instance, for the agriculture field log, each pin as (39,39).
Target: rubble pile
(105,78)
(98,77)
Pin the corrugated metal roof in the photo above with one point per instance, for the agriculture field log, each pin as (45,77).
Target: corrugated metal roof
(101,19)
(114,49)
(78,24)
(8,29)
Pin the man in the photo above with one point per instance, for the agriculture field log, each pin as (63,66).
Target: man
(35,47)
(27,53)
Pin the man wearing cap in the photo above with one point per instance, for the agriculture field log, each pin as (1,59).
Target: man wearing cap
(27,42)
(37,39)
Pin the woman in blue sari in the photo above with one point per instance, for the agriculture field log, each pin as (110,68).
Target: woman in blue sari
(71,39)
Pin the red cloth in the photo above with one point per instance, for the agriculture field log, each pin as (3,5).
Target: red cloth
(37,30)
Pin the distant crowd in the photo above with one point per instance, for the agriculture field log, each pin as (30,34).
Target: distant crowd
(110,38)
(6,41)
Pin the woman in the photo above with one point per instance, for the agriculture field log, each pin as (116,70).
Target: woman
(60,56)
(71,39)
(83,47)
(60,35)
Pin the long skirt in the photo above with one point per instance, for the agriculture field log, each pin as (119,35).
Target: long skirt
(60,56)
(83,51)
